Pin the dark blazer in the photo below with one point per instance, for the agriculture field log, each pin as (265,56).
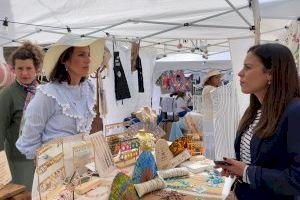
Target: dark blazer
(274,172)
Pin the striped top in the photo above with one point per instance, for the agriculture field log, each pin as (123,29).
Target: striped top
(245,153)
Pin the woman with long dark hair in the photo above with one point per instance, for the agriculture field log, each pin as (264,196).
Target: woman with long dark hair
(267,145)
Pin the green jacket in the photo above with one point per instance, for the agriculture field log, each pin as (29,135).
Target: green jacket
(12,99)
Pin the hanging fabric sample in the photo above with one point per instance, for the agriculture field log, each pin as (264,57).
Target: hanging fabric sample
(121,86)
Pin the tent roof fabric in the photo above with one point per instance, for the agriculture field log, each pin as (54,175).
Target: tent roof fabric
(86,16)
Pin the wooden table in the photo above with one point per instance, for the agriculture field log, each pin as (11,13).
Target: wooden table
(14,192)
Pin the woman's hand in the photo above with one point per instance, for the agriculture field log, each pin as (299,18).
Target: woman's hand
(227,173)
(234,167)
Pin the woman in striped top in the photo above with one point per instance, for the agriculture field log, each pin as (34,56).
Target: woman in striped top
(267,146)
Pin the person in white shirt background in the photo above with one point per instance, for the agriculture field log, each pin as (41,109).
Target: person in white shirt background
(181,104)
(212,81)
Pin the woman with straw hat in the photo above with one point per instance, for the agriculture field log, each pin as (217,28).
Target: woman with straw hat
(210,83)
(64,106)
(212,80)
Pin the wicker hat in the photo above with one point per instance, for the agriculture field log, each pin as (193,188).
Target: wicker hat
(71,40)
(211,73)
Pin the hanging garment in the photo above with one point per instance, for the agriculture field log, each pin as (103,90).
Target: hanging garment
(140,74)
(121,86)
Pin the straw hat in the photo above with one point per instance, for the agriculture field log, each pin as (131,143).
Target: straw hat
(70,40)
(211,73)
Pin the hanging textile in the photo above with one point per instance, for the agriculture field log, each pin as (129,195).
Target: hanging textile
(134,55)
(225,121)
(121,86)
(291,39)
(140,74)
(136,64)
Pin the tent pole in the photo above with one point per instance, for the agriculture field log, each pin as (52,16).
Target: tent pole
(193,22)
(55,32)
(217,15)
(24,36)
(238,12)
(257,19)
(218,53)
(190,24)
(5,38)
(107,27)
(160,32)
(156,43)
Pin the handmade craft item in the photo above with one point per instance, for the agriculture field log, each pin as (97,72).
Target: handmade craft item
(115,128)
(61,164)
(179,145)
(198,166)
(180,158)
(146,114)
(145,168)
(146,140)
(50,169)
(163,154)
(152,128)
(83,153)
(122,188)
(149,186)
(115,134)
(171,173)
(129,151)
(65,194)
(214,178)
(87,186)
(165,158)
(196,148)
(103,157)
(171,195)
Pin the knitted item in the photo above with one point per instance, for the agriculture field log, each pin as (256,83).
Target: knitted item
(145,168)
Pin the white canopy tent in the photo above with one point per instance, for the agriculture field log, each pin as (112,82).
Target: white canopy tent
(159,24)
(191,62)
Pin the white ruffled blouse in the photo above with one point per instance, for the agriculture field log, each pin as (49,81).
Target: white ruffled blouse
(57,110)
